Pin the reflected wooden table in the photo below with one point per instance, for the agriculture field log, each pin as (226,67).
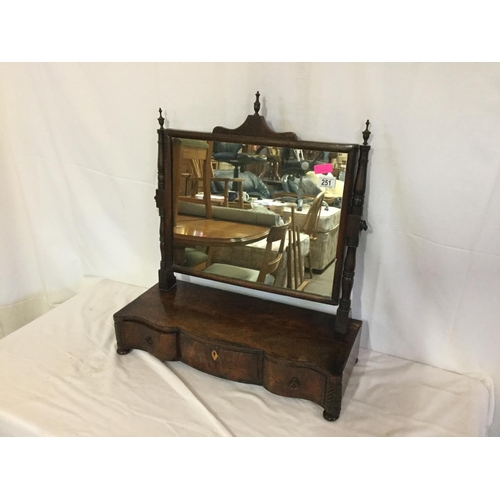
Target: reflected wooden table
(198,231)
(191,231)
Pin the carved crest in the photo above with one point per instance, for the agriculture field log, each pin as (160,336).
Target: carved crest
(255,126)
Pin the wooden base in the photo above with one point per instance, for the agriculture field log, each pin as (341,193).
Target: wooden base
(291,351)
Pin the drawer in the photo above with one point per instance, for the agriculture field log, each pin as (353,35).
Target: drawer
(140,336)
(239,364)
(294,381)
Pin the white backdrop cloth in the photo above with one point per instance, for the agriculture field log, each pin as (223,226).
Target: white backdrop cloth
(60,376)
(78,149)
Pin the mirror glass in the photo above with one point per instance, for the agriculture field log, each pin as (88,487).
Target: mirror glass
(234,199)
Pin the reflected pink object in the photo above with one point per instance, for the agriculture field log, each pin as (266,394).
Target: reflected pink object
(323,168)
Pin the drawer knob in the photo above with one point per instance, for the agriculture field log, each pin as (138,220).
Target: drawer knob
(149,340)
(214,355)
(294,383)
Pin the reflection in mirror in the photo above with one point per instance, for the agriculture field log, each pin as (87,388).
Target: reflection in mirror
(266,214)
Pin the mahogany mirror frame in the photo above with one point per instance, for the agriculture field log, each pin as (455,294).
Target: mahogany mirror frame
(256,131)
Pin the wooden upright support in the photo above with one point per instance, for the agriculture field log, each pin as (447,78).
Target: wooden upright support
(354,225)
(164,203)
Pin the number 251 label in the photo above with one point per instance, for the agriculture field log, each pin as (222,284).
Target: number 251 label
(325,181)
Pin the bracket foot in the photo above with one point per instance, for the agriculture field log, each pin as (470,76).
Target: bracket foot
(329,417)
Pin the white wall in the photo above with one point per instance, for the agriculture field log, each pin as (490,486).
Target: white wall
(78,158)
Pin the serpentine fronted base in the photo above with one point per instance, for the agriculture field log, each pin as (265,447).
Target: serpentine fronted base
(291,351)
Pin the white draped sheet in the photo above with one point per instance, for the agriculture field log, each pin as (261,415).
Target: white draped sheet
(60,376)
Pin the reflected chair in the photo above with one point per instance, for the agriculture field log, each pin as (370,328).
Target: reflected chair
(185,152)
(197,175)
(271,171)
(190,159)
(269,266)
(193,173)
(295,270)
(311,224)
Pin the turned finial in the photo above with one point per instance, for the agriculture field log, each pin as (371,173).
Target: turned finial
(256,105)
(161,120)
(366,133)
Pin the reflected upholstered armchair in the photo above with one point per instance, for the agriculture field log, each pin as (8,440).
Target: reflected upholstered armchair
(296,161)
(230,152)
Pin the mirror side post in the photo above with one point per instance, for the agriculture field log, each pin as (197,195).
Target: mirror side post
(354,227)
(164,203)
